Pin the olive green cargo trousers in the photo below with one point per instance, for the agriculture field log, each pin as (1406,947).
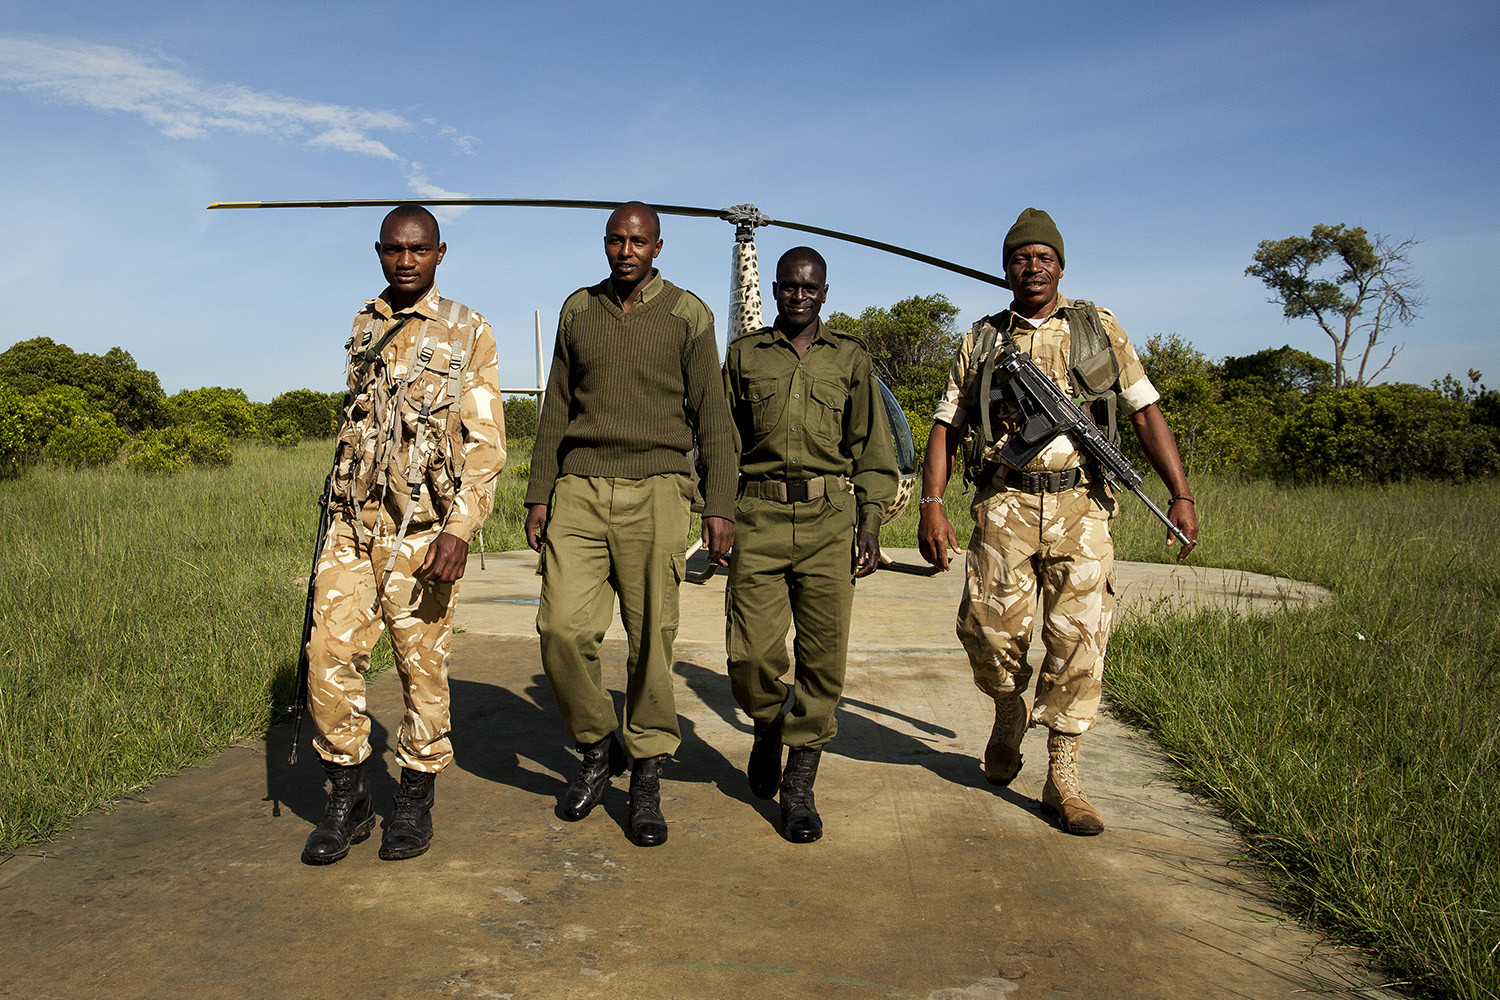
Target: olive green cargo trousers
(608,536)
(791,562)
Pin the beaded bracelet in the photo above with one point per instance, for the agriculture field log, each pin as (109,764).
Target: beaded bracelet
(929,500)
(1188,499)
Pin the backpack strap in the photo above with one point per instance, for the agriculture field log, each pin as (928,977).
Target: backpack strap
(1093,368)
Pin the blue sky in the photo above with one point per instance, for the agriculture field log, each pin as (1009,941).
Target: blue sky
(1167,140)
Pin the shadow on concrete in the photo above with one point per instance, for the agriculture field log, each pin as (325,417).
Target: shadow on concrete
(859,737)
(496,729)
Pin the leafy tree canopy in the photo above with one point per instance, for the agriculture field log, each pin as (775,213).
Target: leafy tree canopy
(1276,370)
(1353,287)
(112,381)
(911,345)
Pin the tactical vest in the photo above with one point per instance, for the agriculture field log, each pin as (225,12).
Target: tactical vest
(401,434)
(1093,376)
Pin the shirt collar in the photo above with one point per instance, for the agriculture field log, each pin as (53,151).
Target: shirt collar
(1014,321)
(823,333)
(645,293)
(426,306)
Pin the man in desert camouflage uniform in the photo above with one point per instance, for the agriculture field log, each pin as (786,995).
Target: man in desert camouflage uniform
(421,441)
(1042,531)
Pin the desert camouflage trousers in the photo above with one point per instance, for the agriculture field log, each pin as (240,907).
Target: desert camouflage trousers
(1053,551)
(348,617)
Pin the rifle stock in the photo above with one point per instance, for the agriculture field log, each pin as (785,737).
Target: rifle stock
(1046,412)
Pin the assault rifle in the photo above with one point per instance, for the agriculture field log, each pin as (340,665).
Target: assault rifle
(299,696)
(1046,412)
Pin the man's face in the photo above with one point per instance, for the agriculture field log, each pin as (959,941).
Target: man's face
(1033,272)
(800,292)
(631,242)
(409,256)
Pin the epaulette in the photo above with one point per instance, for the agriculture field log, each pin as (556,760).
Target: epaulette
(454,313)
(855,336)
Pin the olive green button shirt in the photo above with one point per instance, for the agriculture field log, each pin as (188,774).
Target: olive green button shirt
(817,415)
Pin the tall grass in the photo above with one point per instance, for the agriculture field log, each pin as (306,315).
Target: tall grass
(1353,744)
(146,622)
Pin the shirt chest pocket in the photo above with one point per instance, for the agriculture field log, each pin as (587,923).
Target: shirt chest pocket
(766,403)
(827,411)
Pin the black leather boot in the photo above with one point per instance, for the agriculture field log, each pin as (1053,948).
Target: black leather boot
(409,833)
(764,769)
(800,822)
(349,818)
(647,825)
(601,761)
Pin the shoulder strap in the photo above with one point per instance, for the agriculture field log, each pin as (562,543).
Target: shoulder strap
(1091,359)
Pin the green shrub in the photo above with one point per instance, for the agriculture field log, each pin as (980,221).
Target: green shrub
(54,407)
(284,433)
(1385,433)
(168,449)
(316,414)
(91,439)
(17,431)
(150,452)
(520,417)
(226,412)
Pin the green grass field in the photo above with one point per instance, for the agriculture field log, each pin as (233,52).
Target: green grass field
(147,622)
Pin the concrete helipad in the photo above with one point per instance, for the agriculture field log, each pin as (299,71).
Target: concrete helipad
(929,883)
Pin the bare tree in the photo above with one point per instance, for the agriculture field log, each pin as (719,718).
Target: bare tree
(1374,290)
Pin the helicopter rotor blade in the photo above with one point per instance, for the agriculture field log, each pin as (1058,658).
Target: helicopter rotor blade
(686,210)
(702,213)
(946,265)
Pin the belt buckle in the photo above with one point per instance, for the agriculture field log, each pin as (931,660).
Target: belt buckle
(796,491)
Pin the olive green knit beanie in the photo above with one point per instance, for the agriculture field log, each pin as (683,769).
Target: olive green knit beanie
(1033,226)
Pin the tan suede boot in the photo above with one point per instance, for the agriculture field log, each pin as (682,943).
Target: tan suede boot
(1061,796)
(1002,754)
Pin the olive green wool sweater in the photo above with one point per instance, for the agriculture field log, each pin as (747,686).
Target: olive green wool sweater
(627,390)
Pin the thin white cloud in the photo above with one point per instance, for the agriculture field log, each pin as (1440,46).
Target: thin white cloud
(107,78)
(424,188)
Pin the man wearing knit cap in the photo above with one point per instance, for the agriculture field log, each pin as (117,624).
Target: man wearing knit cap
(635,377)
(1041,530)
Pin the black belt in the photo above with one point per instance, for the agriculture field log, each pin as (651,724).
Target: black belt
(1042,482)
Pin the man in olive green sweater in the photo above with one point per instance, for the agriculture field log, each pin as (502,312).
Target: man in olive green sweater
(635,377)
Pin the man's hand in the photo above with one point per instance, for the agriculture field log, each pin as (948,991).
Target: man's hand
(866,553)
(718,538)
(935,535)
(1161,451)
(1183,514)
(536,526)
(447,558)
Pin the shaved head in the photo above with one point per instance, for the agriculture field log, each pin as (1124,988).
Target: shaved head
(636,210)
(797,255)
(415,213)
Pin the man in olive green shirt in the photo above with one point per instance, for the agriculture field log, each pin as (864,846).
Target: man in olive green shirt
(817,472)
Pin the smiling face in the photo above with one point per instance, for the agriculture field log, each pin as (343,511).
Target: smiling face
(632,239)
(1033,272)
(409,255)
(800,289)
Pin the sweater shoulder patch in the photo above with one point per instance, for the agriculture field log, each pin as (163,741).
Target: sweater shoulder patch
(694,311)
